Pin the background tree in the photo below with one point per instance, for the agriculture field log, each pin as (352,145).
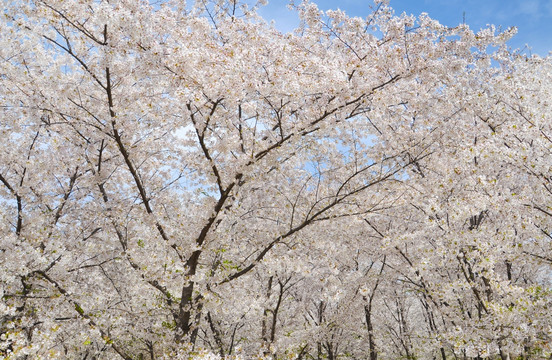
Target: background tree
(183,179)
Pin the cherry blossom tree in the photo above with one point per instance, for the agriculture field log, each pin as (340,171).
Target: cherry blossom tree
(183,180)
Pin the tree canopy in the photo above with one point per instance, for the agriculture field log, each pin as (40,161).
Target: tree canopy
(183,180)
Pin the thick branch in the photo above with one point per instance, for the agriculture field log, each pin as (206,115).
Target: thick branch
(76,25)
(201,139)
(72,181)
(312,125)
(19,224)
(126,156)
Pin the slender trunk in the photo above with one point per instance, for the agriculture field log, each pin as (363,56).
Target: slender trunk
(276,310)
(331,355)
(370,328)
(216,334)
(368,316)
(264,325)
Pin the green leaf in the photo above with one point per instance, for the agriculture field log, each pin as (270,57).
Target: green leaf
(79,309)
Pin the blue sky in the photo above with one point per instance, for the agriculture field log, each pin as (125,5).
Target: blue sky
(533,18)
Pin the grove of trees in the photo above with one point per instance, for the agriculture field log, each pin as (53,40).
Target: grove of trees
(183,181)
